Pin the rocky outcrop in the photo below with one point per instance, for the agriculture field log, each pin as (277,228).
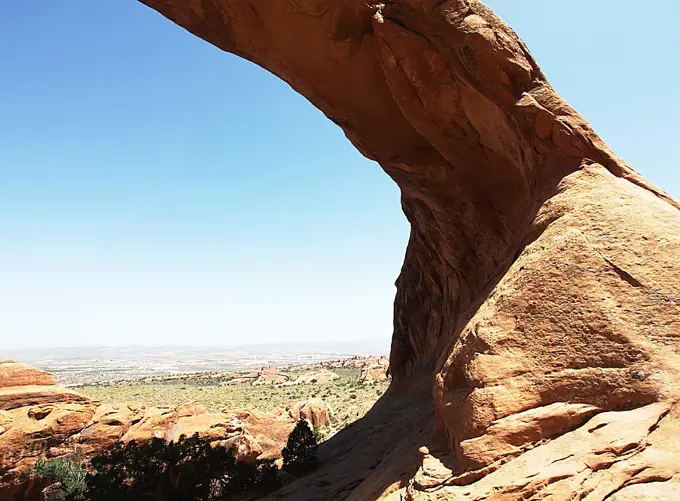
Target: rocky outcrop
(36,418)
(270,430)
(72,424)
(315,410)
(323,376)
(23,386)
(539,299)
(13,374)
(374,371)
(269,375)
(373,374)
(360,362)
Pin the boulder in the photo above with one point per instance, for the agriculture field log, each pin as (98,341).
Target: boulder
(243,447)
(209,426)
(154,424)
(270,430)
(315,410)
(29,396)
(374,373)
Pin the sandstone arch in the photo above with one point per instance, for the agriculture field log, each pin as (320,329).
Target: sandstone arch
(539,301)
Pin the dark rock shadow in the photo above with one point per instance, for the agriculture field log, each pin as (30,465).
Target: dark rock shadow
(382,445)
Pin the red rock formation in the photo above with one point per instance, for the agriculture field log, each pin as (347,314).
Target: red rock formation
(64,423)
(36,417)
(540,289)
(13,374)
(270,375)
(269,430)
(23,386)
(315,410)
(372,373)
(375,369)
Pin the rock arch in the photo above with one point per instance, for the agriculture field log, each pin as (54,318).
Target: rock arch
(539,301)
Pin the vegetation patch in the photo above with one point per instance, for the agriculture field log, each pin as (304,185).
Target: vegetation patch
(191,469)
(349,398)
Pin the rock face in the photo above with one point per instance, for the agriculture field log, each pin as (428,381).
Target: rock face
(41,419)
(315,410)
(373,373)
(36,418)
(22,386)
(375,370)
(539,300)
(13,374)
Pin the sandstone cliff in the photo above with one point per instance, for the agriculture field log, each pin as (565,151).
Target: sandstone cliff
(535,349)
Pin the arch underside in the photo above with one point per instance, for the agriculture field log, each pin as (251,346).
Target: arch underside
(537,308)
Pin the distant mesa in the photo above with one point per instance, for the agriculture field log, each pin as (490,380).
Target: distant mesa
(373,368)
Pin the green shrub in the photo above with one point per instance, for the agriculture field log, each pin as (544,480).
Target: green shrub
(71,475)
(190,469)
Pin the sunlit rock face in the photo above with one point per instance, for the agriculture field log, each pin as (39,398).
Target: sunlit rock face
(40,419)
(36,416)
(539,299)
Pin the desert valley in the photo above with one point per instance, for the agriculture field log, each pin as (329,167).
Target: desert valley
(251,412)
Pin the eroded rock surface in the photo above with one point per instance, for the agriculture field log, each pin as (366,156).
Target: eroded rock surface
(376,371)
(45,420)
(314,410)
(36,417)
(539,299)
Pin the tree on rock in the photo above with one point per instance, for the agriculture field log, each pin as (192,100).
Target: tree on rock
(299,455)
(191,469)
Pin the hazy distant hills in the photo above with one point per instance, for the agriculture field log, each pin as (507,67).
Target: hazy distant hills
(80,365)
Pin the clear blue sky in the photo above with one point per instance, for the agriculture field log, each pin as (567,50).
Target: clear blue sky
(154,190)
